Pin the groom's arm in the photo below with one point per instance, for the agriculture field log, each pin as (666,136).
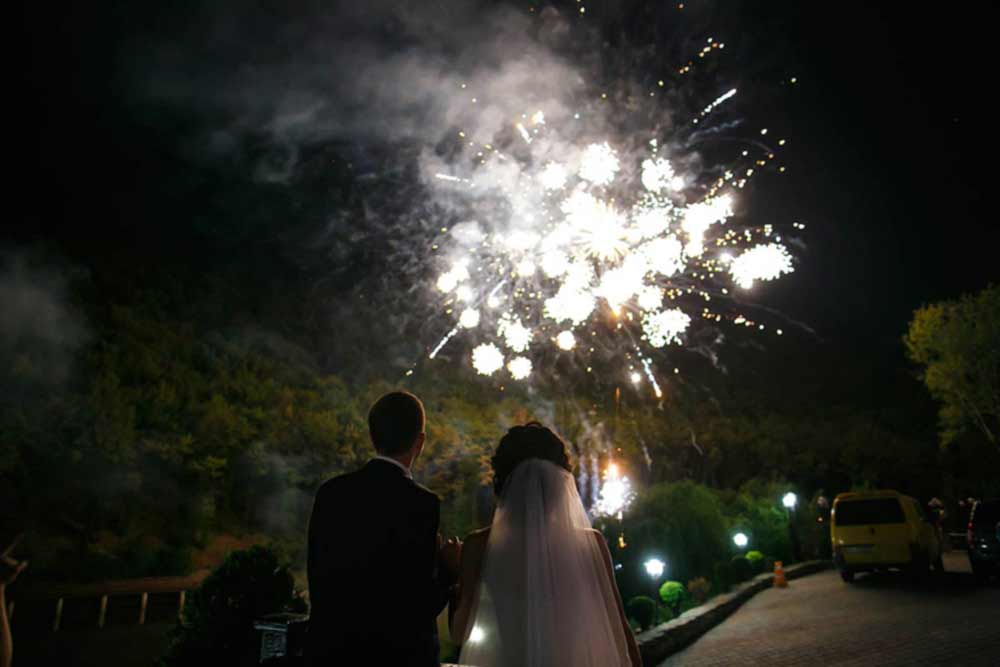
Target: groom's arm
(427,579)
(316,551)
(443,580)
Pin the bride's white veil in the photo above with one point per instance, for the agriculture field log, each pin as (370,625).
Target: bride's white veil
(545,597)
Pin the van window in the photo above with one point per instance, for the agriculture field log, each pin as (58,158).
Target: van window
(867,512)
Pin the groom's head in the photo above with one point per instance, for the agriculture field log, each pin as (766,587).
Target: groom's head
(396,425)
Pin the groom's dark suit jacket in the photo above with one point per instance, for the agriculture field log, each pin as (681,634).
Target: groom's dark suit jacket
(375,587)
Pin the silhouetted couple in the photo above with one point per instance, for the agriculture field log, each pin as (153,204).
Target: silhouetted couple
(534,589)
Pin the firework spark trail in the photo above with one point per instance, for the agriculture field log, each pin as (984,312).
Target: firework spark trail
(714,103)
(447,337)
(648,368)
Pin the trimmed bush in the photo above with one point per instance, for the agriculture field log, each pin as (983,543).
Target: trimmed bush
(740,569)
(642,609)
(757,561)
(699,589)
(722,577)
(672,593)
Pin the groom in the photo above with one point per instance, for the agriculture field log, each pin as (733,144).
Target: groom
(376,578)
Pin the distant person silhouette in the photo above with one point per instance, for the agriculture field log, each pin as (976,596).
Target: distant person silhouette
(9,569)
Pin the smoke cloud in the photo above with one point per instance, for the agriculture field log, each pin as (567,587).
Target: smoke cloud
(354,71)
(40,330)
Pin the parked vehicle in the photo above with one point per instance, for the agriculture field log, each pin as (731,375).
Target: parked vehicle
(983,538)
(875,530)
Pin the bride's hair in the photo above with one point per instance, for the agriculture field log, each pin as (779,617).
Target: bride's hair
(531,441)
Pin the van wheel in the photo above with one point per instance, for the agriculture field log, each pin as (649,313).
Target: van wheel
(847,576)
(918,569)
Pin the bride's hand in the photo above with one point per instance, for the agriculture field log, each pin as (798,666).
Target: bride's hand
(451,554)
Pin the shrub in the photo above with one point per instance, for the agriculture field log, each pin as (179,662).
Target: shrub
(672,593)
(757,561)
(739,569)
(219,614)
(698,589)
(722,577)
(643,610)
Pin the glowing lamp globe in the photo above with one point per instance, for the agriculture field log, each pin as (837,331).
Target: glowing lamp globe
(740,540)
(654,567)
(789,500)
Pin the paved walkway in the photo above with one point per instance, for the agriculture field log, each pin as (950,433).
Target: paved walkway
(878,620)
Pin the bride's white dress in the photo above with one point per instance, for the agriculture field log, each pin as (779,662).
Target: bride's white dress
(545,596)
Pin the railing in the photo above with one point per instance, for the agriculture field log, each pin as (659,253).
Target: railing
(129,596)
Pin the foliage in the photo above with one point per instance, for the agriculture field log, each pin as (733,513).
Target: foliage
(173,436)
(673,595)
(740,569)
(957,345)
(699,589)
(684,522)
(757,561)
(642,609)
(756,508)
(219,615)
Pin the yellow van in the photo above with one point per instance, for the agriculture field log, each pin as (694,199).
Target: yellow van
(876,530)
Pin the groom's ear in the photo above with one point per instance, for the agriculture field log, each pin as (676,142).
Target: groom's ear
(418,445)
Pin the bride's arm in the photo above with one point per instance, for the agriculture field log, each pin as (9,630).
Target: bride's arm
(633,647)
(468,584)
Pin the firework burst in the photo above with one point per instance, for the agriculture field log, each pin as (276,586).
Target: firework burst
(591,231)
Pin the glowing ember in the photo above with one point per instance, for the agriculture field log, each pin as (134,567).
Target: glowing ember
(487,359)
(763,262)
(566,340)
(615,495)
(519,367)
(665,327)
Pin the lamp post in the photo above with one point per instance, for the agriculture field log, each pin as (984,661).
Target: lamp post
(655,568)
(790,500)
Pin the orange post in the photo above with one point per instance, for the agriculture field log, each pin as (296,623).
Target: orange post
(779,576)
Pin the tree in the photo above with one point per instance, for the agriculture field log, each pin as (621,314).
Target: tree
(957,344)
(681,522)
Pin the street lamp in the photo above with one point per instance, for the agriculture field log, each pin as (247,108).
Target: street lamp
(741,540)
(790,500)
(654,567)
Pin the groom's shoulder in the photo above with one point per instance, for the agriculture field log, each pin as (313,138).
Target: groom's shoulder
(339,483)
(425,494)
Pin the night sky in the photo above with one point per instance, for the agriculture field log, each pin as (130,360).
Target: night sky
(891,131)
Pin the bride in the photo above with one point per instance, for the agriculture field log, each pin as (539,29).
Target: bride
(536,588)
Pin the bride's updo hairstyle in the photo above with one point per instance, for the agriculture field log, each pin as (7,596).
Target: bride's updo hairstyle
(531,441)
